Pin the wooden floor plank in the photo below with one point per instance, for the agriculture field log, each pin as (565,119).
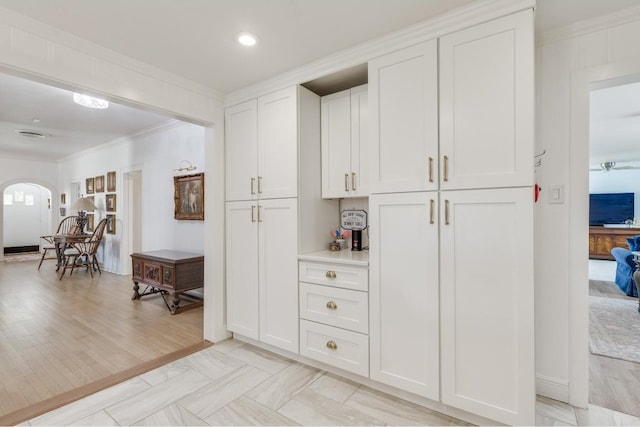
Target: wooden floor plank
(59,339)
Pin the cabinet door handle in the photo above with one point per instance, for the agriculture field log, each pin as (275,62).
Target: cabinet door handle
(430,169)
(259,216)
(332,345)
(446,168)
(330,274)
(253,181)
(259,185)
(253,213)
(332,305)
(446,212)
(353,181)
(432,204)
(346,182)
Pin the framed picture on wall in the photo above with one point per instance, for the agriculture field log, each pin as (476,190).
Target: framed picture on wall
(111,224)
(63,211)
(188,196)
(63,198)
(89,226)
(90,182)
(111,181)
(100,184)
(110,201)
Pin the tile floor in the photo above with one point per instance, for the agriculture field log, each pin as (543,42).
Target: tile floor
(232,383)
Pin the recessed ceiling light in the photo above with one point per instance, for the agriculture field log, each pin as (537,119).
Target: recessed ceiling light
(90,101)
(247,39)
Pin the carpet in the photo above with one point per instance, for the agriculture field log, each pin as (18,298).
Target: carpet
(614,328)
(25,256)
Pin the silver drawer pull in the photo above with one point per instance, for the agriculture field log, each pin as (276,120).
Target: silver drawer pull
(331,274)
(332,305)
(332,345)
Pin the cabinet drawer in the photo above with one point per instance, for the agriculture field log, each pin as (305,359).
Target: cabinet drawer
(343,349)
(336,307)
(342,276)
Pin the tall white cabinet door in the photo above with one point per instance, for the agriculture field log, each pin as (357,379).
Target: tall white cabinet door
(487,104)
(360,146)
(403,292)
(278,144)
(278,258)
(487,303)
(336,144)
(242,268)
(241,150)
(403,101)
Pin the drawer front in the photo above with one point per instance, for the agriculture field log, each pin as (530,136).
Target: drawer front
(342,276)
(343,349)
(152,273)
(137,269)
(343,308)
(168,276)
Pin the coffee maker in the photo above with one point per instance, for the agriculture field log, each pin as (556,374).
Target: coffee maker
(356,221)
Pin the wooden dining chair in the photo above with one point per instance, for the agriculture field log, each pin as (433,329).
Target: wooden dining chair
(66,226)
(83,254)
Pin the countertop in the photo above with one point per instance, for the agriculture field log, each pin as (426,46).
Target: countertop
(345,256)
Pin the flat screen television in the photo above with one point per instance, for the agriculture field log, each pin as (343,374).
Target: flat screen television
(610,208)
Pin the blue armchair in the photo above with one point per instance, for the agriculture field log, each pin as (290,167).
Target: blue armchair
(625,267)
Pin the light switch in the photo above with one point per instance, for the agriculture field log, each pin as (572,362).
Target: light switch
(556,194)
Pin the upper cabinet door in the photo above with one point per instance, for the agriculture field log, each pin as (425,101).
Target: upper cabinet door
(360,141)
(335,111)
(487,104)
(403,98)
(277,145)
(241,150)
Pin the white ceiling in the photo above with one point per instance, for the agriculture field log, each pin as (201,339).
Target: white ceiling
(195,39)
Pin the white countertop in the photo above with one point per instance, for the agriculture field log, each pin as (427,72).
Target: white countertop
(345,256)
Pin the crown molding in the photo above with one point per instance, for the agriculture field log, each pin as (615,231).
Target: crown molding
(587,26)
(477,12)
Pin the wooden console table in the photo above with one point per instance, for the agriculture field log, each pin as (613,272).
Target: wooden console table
(603,239)
(168,272)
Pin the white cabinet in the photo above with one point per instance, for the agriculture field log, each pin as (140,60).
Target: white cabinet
(487,104)
(262,297)
(345,171)
(486,291)
(403,101)
(261,147)
(404,319)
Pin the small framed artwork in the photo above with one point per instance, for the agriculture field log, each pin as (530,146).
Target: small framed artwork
(63,211)
(110,201)
(89,226)
(111,224)
(111,181)
(100,184)
(63,198)
(188,196)
(90,189)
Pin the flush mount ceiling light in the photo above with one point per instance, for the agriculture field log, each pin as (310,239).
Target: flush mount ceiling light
(90,101)
(247,39)
(31,134)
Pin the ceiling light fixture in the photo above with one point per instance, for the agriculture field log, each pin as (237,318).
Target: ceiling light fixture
(247,39)
(90,101)
(31,134)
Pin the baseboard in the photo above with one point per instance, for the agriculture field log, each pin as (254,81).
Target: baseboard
(20,249)
(553,388)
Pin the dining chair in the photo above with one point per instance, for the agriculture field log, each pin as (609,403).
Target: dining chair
(66,226)
(83,254)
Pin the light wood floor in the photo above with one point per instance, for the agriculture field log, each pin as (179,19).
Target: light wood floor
(57,336)
(613,383)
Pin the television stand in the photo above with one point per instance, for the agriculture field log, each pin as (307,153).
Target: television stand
(604,238)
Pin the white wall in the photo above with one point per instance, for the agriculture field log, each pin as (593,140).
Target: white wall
(561,56)
(25,222)
(157,153)
(617,181)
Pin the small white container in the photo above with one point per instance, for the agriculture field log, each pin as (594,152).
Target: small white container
(342,243)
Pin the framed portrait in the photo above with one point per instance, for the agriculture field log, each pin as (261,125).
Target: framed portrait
(111,224)
(111,181)
(110,201)
(89,226)
(63,211)
(63,198)
(188,196)
(90,189)
(99,184)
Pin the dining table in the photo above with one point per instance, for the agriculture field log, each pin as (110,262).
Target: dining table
(61,241)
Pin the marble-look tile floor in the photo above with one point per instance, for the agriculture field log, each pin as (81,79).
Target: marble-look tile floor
(232,383)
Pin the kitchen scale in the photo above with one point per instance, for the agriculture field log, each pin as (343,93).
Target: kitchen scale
(356,221)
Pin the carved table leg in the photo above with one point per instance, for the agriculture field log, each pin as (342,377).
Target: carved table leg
(136,288)
(176,303)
